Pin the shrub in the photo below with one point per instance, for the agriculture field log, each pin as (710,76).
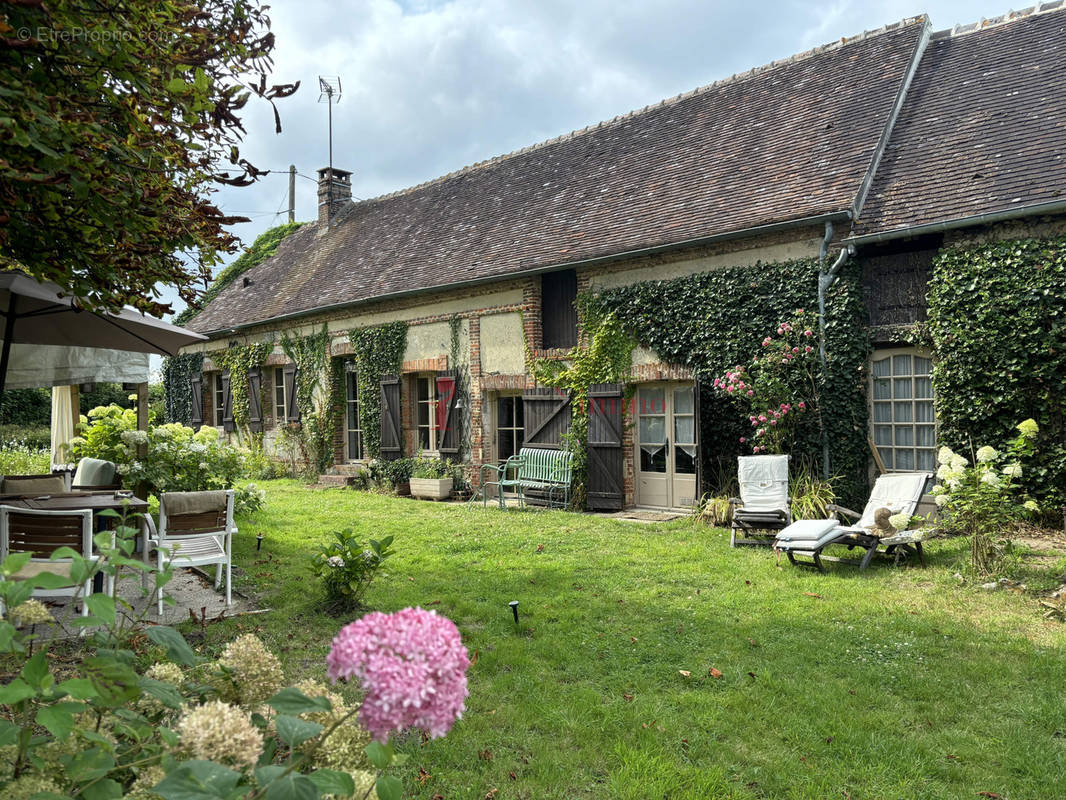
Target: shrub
(17,458)
(808,494)
(713,510)
(984,499)
(347,568)
(36,437)
(390,474)
(435,468)
(248,499)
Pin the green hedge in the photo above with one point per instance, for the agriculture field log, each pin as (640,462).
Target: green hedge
(997,323)
(715,320)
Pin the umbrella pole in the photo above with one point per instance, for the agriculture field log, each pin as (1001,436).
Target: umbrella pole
(9,331)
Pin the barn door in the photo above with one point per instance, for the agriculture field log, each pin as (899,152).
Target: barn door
(605,459)
(196,407)
(227,404)
(255,400)
(391,438)
(547,417)
(449,425)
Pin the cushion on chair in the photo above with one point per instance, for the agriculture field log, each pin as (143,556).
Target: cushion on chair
(45,484)
(94,472)
(35,568)
(180,503)
(832,535)
(807,530)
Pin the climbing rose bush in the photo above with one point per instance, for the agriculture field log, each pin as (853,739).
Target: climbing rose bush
(412,665)
(778,385)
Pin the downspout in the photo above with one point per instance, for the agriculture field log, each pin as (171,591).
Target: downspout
(826,278)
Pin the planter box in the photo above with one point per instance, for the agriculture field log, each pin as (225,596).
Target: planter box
(431,488)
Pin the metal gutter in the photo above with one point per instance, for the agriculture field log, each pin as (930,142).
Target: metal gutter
(759,230)
(1054,207)
(890,123)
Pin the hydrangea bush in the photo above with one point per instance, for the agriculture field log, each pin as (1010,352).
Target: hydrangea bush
(983,499)
(190,728)
(347,567)
(778,385)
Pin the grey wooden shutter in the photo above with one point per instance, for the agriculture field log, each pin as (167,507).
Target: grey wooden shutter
(196,406)
(449,425)
(255,400)
(391,433)
(227,404)
(605,490)
(547,417)
(292,408)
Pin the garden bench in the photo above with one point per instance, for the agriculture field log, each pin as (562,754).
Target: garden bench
(535,473)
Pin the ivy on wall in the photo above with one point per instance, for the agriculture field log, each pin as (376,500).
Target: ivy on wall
(997,326)
(314,396)
(604,355)
(712,321)
(177,387)
(376,351)
(239,360)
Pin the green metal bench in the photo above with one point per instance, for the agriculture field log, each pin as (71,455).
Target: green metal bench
(544,472)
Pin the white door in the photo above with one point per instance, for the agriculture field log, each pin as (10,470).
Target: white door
(666,445)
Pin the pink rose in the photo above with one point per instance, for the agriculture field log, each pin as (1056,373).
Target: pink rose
(807,349)
(729,389)
(755,449)
(773,422)
(762,418)
(751,393)
(808,332)
(802,405)
(795,349)
(742,440)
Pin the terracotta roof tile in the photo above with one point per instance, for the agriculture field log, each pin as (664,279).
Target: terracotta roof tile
(787,141)
(982,128)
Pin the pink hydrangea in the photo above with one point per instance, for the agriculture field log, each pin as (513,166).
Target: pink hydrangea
(412,665)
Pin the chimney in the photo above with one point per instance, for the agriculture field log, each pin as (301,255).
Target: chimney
(334,192)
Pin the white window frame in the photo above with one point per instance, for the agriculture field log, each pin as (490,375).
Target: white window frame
(496,428)
(431,402)
(220,399)
(348,403)
(280,407)
(903,423)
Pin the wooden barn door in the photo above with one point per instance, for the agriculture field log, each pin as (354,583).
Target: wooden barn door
(547,418)
(391,430)
(605,490)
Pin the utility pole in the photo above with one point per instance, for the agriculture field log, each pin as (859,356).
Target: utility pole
(292,193)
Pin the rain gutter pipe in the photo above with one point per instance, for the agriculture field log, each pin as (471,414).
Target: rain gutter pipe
(826,278)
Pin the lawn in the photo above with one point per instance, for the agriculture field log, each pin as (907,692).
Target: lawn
(894,683)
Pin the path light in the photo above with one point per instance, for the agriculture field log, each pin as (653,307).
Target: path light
(258,542)
(514,610)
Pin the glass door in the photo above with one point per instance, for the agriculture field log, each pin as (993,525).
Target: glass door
(666,446)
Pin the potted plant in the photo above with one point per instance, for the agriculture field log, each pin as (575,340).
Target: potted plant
(432,478)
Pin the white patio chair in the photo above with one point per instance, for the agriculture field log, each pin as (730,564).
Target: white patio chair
(899,492)
(39,532)
(195,529)
(763,503)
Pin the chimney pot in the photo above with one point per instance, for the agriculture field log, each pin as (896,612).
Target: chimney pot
(334,192)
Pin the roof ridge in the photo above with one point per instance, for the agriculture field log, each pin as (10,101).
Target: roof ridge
(1002,19)
(734,78)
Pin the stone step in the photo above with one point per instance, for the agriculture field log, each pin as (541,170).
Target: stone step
(346,469)
(336,480)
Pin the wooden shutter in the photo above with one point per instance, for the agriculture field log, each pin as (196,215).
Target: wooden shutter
(255,400)
(449,424)
(547,417)
(196,406)
(292,408)
(558,295)
(605,490)
(227,404)
(391,433)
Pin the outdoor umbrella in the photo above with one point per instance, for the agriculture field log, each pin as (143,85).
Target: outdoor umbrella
(42,314)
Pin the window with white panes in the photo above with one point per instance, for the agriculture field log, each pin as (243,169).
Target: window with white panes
(904,422)
(355,429)
(279,394)
(510,426)
(426,399)
(220,399)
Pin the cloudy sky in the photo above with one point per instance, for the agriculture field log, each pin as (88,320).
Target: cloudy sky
(429,87)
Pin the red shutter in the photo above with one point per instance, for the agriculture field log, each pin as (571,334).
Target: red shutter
(449,424)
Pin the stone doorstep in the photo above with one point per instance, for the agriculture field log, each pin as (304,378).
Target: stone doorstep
(336,480)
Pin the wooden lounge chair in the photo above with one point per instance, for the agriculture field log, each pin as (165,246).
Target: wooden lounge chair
(899,492)
(763,506)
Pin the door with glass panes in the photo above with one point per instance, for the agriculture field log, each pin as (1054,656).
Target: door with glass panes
(904,420)
(665,445)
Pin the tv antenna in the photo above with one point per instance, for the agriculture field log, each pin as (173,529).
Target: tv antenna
(329,88)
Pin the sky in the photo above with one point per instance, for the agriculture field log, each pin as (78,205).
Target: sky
(430,87)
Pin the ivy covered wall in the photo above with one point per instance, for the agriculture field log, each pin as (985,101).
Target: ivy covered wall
(997,327)
(178,371)
(713,321)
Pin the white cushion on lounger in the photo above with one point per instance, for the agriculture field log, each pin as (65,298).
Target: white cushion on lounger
(807,530)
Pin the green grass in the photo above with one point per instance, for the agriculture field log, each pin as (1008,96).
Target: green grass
(887,684)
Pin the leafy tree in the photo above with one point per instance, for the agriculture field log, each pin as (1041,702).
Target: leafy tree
(117,121)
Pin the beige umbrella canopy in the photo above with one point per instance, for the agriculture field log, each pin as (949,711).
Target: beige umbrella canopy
(35,313)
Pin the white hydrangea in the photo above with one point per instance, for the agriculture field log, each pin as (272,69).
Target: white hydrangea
(959,462)
(991,478)
(944,455)
(1030,505)
(1013,470)
(986,454)
(900,521)
(941,500)
(335,561)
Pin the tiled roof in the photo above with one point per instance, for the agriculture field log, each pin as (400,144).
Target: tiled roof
(983,127)
(787,141)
